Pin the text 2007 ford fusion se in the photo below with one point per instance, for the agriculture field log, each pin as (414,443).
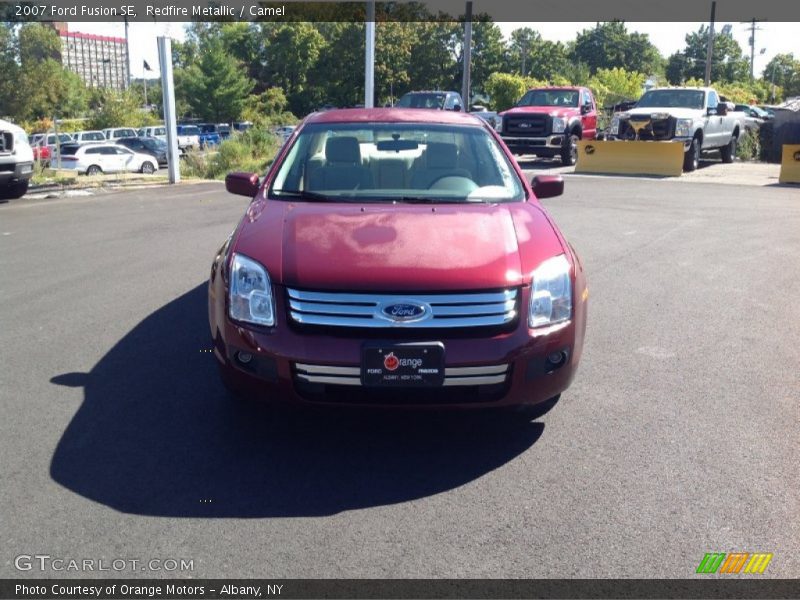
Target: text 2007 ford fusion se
(399,258)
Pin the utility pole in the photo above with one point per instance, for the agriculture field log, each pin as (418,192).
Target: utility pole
(752,42)
(127,56)
(710,48)
(467,57)
(369,59)
(168,94)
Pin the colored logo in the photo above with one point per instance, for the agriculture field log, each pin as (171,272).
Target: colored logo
(589,149)
(797,155)
(391,362)
(404,311)
(734,563)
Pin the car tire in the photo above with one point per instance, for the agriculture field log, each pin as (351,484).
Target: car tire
(94,170)
(13,191)
(147,168)
(691,158)
(569,153)
(728,153)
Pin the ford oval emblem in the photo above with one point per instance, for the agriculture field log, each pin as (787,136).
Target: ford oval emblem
(404,311)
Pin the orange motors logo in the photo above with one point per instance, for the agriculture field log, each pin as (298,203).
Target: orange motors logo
(734,563)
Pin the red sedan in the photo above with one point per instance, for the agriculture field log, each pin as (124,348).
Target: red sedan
(398,258)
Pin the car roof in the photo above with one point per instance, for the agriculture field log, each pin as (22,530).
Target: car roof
(393,115)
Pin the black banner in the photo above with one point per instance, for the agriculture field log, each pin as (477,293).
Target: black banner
(113,589)
(403,10)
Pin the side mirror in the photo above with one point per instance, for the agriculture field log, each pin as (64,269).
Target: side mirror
(586,108)
(722,109)
(243,184)
(547,186)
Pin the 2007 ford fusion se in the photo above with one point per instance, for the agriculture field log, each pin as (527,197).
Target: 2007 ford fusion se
(397,257)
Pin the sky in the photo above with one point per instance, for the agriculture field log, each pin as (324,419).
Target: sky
(775,38)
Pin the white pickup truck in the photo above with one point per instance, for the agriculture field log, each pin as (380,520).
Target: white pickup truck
(16,161)
(697,117)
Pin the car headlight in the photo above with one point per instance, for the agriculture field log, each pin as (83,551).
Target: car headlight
(559,124)
(498,124)
(551,293)
(250,292)
(683,128)
(614,126)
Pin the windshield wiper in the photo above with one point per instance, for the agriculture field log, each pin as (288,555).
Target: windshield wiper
(304,195)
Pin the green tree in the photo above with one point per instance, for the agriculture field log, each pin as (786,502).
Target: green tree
(215,87)
(784,71)
(727,63)
(117,108)
(609,45)
(505,89)
(612,86)
(434,59)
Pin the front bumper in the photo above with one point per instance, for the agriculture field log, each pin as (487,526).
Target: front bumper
(290,364)
(22,171)
(541,146)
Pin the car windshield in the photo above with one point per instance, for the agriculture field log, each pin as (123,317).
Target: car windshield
(433,100)
(189,130)
(396,162)
(549,98)
(672,99)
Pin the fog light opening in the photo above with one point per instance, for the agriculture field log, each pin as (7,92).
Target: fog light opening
(556,360)
(244,357)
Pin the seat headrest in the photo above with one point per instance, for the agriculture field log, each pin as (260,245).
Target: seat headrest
(342,150)
(441,156)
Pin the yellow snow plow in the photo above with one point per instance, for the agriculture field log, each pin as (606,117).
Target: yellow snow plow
(630,157)
(790,164)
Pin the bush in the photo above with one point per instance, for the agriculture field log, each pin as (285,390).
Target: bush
(252,151)
(749,147)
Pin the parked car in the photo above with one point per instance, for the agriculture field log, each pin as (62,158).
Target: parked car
(436,100)
(147,145)
(389,258)
(52,140)
(224,131)
(696,117)
(285,132)
(94,159)
(159,132)
(116,133)
(752,116)
(188,136)
(89,136)
(549,121)
(16,161)
(209,135)
(242,125)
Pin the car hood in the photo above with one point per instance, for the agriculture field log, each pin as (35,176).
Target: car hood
(553,111)
(397,247)
(678,113)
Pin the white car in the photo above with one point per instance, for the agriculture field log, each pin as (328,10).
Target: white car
(88,136)
(94,159)
(16,161)
(158,132)
(119,132)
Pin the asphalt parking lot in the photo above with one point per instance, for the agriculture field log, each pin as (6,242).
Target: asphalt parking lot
(679,436)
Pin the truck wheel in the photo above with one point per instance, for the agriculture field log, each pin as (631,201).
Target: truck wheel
(14,190)
(728,153)
(691,158)
(569,152)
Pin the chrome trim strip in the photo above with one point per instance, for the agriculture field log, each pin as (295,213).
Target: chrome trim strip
(328,320)
(487,370)
(332,380)
(485,380)
(375,299)
(332,309)
(328,369)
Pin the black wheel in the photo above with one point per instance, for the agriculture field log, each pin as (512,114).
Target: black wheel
(148,168)
(14,190)
(569,153)
(94,170)
(691,158)
(728,153)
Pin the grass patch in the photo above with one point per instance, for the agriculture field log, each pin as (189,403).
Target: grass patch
(252,151)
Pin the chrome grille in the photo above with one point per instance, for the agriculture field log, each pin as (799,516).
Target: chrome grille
(367,310)
(453,376)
